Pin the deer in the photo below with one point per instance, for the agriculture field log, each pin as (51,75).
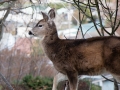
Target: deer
(75,57)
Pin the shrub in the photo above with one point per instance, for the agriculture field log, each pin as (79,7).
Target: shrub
(38,82)
(92,86)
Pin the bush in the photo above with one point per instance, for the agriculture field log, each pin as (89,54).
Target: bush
(95,87)
(92,86)
(36,83)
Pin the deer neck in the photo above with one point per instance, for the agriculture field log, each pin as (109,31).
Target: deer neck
(50,37)
(49,43)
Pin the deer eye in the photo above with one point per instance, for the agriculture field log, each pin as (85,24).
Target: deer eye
(39,25)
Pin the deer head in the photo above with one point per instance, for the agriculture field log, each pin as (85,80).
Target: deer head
(45,26)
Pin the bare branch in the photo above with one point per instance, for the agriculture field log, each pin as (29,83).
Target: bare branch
(1,32)
(116,13)
(7,83)
(93,19)
(108,79)
(2,21)
(116,85)
(99,16)
(80,22)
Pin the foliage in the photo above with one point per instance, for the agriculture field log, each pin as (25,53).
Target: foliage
(95,87)
(92,86)
(58,5)
(38,82)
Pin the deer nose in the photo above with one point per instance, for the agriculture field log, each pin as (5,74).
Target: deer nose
(30,33)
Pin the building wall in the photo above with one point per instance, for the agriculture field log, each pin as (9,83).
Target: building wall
(107,85)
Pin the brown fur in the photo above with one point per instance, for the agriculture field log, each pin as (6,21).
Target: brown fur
(87,56)
(90,56)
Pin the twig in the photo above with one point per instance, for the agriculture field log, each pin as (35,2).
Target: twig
(65,37)
(90,28)
(80,22)
(7,83)
(108,79)
(93,19)
(1,33)
(3,19)
(115,21)
(99,16)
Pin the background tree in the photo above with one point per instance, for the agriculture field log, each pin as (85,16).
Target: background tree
(8,6)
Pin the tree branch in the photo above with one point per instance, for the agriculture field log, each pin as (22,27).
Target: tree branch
(7,83)
(93,19)
(4,18)
(2,21)
(116,85)
(109,79)
(1,33)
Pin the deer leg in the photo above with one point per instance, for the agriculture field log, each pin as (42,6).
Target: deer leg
(59,77)
(73,80)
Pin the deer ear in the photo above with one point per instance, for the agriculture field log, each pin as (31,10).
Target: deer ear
(45,16)
(51,14)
